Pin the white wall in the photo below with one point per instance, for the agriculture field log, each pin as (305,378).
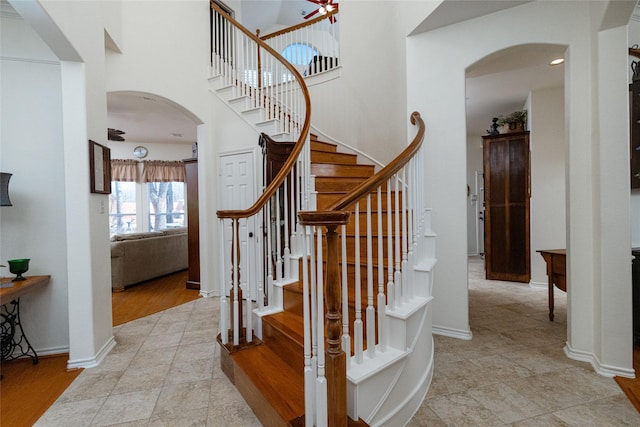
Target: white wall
(159,57)
(366,107)
(597,235)
(474,164)
(30,141)
(547,209)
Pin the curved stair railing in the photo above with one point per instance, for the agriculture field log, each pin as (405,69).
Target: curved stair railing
(263,80)
(390,206)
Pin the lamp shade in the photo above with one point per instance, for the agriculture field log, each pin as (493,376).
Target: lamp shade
(4,189)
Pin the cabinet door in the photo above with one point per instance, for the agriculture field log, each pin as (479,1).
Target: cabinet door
(506,174)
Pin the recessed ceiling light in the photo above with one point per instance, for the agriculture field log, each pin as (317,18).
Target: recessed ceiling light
(177,135)
(557,61)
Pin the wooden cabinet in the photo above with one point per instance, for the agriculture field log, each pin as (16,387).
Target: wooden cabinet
(506,215)
(193,223)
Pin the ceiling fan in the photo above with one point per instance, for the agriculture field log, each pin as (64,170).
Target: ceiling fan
(325,6)
(115,134)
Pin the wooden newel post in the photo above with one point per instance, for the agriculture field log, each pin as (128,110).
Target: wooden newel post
(335,358)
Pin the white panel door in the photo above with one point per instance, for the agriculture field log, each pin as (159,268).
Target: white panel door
(238,191)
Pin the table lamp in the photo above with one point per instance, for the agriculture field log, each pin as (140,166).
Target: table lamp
(4,189)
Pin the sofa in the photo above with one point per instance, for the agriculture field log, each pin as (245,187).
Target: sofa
(137,257)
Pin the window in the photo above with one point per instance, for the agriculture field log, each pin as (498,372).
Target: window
(299,54)
(166,205)
(149,201)
(122,208)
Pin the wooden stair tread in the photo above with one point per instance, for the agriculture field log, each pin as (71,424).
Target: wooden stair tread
(323,146)
(278,383)
(291,324)
(334,158)
(330,169)
(329,183)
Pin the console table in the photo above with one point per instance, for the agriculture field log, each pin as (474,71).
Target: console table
(556,260)
(13,341)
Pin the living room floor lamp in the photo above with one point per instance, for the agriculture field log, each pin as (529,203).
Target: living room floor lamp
(4,189)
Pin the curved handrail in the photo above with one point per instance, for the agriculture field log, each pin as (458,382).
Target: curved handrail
(286,169)
(299,26)
(387,172)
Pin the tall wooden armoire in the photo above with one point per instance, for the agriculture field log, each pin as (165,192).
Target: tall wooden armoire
(193,222)
(506,196)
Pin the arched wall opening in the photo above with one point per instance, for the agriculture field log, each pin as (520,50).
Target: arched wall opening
(599,326)
(512,79)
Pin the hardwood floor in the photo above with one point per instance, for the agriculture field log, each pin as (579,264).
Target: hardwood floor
(631,387)
(27,390)
(151,297)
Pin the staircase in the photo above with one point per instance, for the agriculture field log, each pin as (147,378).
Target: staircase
(269,374)
(340,330)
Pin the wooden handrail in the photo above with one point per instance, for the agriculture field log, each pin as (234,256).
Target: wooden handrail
(300,25)
(387,172)
(280,177)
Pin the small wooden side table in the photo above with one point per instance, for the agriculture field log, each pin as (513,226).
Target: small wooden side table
(13,341)
(556,260)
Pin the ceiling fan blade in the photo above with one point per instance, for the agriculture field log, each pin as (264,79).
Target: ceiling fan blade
(332,19)
(311,14)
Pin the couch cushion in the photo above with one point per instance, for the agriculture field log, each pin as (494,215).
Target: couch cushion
(135,236)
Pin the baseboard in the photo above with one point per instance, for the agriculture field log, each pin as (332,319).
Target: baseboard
(538,285)
(604,370)
(209,294)
(453,333)
(93,361)
(52,351)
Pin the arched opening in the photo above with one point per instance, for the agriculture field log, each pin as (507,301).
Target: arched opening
(515,79)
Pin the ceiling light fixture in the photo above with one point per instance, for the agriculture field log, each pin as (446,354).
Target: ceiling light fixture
(557,61)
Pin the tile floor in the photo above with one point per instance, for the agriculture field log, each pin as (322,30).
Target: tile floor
(165,372)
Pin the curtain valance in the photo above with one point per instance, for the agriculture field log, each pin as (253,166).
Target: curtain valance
(163,171)
(124,170)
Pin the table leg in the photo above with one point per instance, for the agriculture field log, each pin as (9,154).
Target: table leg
(551,316)
(13,341)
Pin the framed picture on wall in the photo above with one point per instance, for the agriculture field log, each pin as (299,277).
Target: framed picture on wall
(100,168)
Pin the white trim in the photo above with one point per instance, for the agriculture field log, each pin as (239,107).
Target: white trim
(209,294)
(93,361)
(333,140)
(29,60)
(451,332)
(414,400)
(53,351)
(538,285)
(604,370)
(323,77)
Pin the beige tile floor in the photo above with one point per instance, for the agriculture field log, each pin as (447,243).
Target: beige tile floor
(165,372)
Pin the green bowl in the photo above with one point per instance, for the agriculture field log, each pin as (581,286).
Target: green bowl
(18,267)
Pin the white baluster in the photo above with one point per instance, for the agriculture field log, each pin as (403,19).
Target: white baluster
(224,307)
(397,278)
(278,237)
(346,338)
(382,335)
(357,324)
(391,293)
(287,250)
(371,312)
(321,381)
(236,284)
(309,374)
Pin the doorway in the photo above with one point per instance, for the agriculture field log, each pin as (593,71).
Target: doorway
(237,190)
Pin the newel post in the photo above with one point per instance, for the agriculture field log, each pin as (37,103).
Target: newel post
(335,358)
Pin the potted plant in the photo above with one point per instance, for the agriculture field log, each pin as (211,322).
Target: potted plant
(514,122)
